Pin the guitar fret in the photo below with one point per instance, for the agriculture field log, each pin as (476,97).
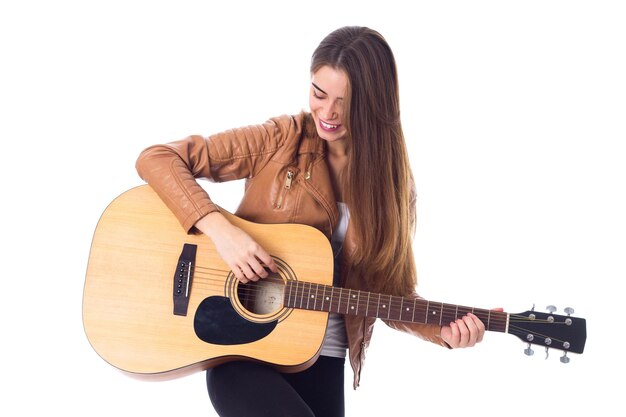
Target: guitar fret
(358,300)
(307,299)
(348,303)
(339,302)
(441,314)
(315,297)
(367,306)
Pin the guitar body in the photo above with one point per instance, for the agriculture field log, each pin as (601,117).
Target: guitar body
(133,279)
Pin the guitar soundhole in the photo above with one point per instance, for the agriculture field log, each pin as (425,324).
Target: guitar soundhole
(262,297)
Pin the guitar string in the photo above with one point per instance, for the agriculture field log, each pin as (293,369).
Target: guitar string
(273,278)
(496,319)
(250,290)
(436,306)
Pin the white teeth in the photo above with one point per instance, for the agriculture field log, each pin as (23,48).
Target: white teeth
(327,126)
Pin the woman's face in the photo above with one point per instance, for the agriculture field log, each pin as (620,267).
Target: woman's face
(327,101)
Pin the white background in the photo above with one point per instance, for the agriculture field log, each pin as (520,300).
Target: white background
(514,115)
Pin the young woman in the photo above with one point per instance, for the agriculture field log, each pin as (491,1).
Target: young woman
(342,168)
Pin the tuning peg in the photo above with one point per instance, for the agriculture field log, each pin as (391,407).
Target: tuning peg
(551,309)
(569,311)
(564,358)
(528,351)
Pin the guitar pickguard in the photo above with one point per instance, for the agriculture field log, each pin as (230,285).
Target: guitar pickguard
(217,322)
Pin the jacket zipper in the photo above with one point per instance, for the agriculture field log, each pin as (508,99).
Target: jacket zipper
(286,188)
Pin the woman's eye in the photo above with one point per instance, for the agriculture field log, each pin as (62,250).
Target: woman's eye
(316,95)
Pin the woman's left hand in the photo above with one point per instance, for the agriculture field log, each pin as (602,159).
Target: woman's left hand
(464,332)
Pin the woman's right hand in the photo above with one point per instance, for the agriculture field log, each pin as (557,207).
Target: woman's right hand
(245,257)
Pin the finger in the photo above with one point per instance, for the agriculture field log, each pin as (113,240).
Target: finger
(258,269)
(472,330)
(464,332)
(256,257)
(480,326)
(267,260)
(248,272)
(455,335)
(239,274)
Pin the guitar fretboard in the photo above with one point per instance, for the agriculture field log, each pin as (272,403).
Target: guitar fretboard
(318,297)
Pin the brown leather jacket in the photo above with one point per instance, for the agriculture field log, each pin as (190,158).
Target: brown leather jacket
(287,180)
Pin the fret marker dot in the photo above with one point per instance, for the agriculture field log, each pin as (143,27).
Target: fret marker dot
(384,306)
(312,296)
(327,298)
(352,307)
(407,309)
(353,296)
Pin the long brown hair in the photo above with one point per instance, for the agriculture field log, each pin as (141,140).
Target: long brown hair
(378,175)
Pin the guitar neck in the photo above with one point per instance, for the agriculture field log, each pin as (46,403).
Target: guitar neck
(318,297)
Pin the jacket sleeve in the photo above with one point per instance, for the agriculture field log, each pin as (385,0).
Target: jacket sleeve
(172,169)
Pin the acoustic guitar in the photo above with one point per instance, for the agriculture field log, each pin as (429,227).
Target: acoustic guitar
(161,303)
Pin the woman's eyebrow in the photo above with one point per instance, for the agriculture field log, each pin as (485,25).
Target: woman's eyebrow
(316,86)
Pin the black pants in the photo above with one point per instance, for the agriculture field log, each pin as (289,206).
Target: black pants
(250,389)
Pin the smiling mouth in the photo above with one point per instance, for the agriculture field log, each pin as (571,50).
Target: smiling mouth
(328,127)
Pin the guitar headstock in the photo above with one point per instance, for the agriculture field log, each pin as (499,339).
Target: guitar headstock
(550,330)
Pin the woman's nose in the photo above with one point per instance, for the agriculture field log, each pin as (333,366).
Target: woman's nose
(329,113)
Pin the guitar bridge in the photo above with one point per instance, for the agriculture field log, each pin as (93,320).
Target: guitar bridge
(183,277)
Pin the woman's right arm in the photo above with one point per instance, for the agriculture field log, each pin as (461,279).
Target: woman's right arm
(171,170)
